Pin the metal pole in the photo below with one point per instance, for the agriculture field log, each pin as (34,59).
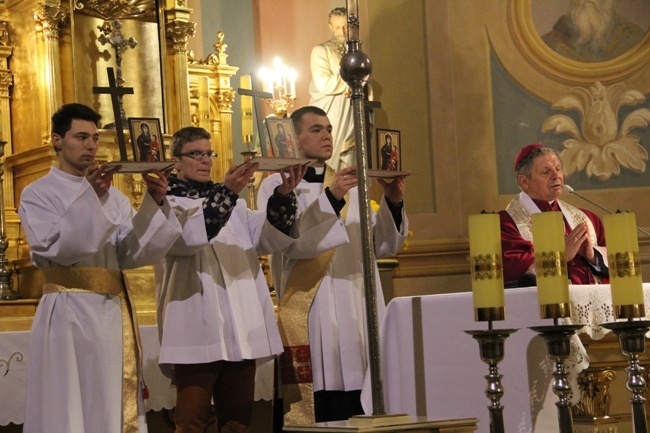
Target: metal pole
(355,69)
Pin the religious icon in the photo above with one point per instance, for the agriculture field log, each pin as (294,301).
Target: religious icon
(146,139)
(389,150)
(282,137)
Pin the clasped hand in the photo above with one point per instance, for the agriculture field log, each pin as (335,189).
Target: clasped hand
(578,242)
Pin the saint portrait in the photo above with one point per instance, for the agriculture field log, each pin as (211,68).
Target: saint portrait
(590,31)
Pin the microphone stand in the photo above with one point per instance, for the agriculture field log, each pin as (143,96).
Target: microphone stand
(573,191)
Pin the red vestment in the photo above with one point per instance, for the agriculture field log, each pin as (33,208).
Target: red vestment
(519,256)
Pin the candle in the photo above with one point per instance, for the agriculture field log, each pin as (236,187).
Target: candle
(623,257)
(204,103)
(292,83)
(486,261)
(550,260)
(246,110)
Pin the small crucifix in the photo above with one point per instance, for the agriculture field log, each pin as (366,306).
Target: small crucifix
(111,34)
(116,96)
(257,95)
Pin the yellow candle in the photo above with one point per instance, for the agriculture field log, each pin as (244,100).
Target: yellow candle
(246,110)
(623,257)
(550,258)
(485,253)
(204,103)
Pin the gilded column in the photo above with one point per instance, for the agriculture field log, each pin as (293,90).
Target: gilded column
(6,80)
(48,18)
(178,29)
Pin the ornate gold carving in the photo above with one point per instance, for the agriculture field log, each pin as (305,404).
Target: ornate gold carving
(216,58)
(6,80)
(626,264)
(594,391)
(225,99)
(550,263)
(4,33)
(111,9)
(179,32)
(49,18)
(486,267)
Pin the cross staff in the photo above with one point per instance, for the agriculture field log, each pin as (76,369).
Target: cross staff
(257,95)
(116,97)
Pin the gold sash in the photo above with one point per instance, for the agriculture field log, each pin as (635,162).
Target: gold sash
(107,282)
(293,319)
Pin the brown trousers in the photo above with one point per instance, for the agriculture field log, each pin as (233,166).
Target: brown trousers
(230,384)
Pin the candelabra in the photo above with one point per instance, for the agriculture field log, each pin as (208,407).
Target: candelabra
(248,155)
(6,290)
(558,346)
(631,335)
(491,347)
(280,81)
(137,185)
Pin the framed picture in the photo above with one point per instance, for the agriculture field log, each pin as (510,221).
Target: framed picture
(388,150)
(282,137)
(146,139)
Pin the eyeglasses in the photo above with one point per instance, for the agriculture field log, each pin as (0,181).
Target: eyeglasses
(199,154)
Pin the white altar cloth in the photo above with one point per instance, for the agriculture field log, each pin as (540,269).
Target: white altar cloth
(162,394)
(431,367)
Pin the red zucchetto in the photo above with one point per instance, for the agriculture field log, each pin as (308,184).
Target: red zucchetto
(525,151)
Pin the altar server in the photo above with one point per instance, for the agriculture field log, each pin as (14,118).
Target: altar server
(215,312)
(84,372)
(334,313)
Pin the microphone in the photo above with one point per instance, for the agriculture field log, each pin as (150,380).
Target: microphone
(570,190)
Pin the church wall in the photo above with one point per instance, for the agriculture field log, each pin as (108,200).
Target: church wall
(433,62)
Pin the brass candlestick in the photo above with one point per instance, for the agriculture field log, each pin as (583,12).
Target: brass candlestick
(557,338)
(248,155)
(491,347)
(631,336)
(6,290)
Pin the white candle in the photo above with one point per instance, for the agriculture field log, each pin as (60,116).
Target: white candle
(246,110)
(204,103)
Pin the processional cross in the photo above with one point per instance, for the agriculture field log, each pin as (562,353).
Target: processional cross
(116,99)
(257,104)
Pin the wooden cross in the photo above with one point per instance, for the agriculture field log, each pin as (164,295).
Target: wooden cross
(369,107)
(257,96)
(116,93)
